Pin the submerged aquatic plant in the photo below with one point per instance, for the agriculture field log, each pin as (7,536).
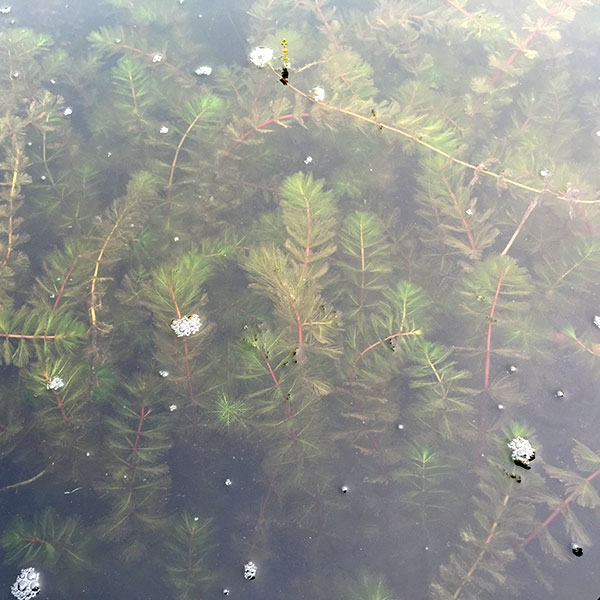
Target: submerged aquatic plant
(230,414)
(204,282)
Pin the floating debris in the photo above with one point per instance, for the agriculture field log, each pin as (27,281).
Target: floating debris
(203,70)
(5,10)
(27,584)
(68,111)
(512,369)
(344,489)
(186,326)
(522,452)
(261,56)
(164,129)
(250,570)
(172,407)
(597,321)
(576,549)
(56,383)
(163,373)
(157,58)
(317,93)
(228,482)
(559,394)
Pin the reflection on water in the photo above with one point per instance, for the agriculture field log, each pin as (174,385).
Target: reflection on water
(283,285)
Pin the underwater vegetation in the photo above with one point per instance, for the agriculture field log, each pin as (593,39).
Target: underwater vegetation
(356,261)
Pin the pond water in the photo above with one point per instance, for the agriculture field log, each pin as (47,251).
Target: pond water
(284,283)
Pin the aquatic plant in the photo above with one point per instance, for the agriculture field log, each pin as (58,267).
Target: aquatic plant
(345,318)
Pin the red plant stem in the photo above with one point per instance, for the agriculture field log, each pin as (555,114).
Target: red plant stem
(308,244)
(254,129)
(61,405)
(36,540)
(460,9)
(64,284)
(289,413)
(134,449)
(378,343)
(271,372)
(486,372)
(144,412)
(460,214)
(11,198)
(556,512)
(500,72)
(488,344)
(186,351)
(370,435)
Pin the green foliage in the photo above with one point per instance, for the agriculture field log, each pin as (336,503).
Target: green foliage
(494,298)
(230,414)
(422,475)
(369,587)
(364,261)
(53,542)
(574,267)
(28,334)
(309,217)
(502,514)
(456,224)
(310,324)
(444,402)
(186,559)
(136,477)
(390,293)
(176,289)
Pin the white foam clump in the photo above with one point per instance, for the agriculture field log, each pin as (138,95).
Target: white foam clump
(250,570)
(203,70)
(55,384)
(261,56)
(317,93)
(522,451)
(27,584)
(186,326)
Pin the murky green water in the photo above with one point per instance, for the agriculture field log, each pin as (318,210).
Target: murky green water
(279,283)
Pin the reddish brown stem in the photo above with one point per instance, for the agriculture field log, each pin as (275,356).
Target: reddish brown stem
(500,72)
(64,285)
(186,351)
(378,343)
(12,195)
(254,129)
(556,512)
(289,413)
(460,213)
(134,449)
